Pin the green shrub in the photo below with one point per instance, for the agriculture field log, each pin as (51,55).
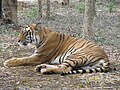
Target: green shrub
(33,13)
(111,5)
(81,7)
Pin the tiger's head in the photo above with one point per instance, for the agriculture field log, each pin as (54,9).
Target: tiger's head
(28,35)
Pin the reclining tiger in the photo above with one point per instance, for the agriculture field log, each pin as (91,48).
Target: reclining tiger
(59,53)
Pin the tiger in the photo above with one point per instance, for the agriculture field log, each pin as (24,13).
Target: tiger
(59,53)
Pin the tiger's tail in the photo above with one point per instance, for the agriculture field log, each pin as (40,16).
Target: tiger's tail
(100,69)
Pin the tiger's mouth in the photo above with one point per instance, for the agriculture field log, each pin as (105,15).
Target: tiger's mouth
(23,44)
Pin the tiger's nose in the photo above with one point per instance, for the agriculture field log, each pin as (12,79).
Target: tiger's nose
(18,40)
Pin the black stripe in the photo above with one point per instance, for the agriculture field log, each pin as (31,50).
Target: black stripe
(77,71)
(91,71)
(60,42)
(62,59)
(80,46)
(90,44)
(90,56)
(74,61)
(84,60)
(91,63)
(101,69)
(66,53)
(26,33)
(70,49)
(55,52)
(84,71)
(30,37)
(30,33)
(40,43)
(81,60)
(61,39)
(96,70)
(72,72)
(68,72)
(63,74)
(96,60)
(68,64)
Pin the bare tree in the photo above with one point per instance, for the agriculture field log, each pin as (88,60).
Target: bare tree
(0,8)
(94,11)
(40,8)
(10,7)
(48,9)
(88,20)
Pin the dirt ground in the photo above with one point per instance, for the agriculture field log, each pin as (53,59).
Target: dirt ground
(107,34)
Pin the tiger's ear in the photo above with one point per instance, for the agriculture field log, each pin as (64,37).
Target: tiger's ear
(33,26)
(38,27)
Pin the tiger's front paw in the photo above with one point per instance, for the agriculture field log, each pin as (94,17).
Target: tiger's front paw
(45,68)
(40,67)
(10,62)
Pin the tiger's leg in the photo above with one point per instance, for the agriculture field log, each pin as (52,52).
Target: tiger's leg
(81,60)
(31,60)
(66,66)
(46,68)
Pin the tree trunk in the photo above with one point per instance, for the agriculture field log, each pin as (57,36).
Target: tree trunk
(94,11)
(48,9)
(88,20)
(0,8)
(10,7)
(40,8)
